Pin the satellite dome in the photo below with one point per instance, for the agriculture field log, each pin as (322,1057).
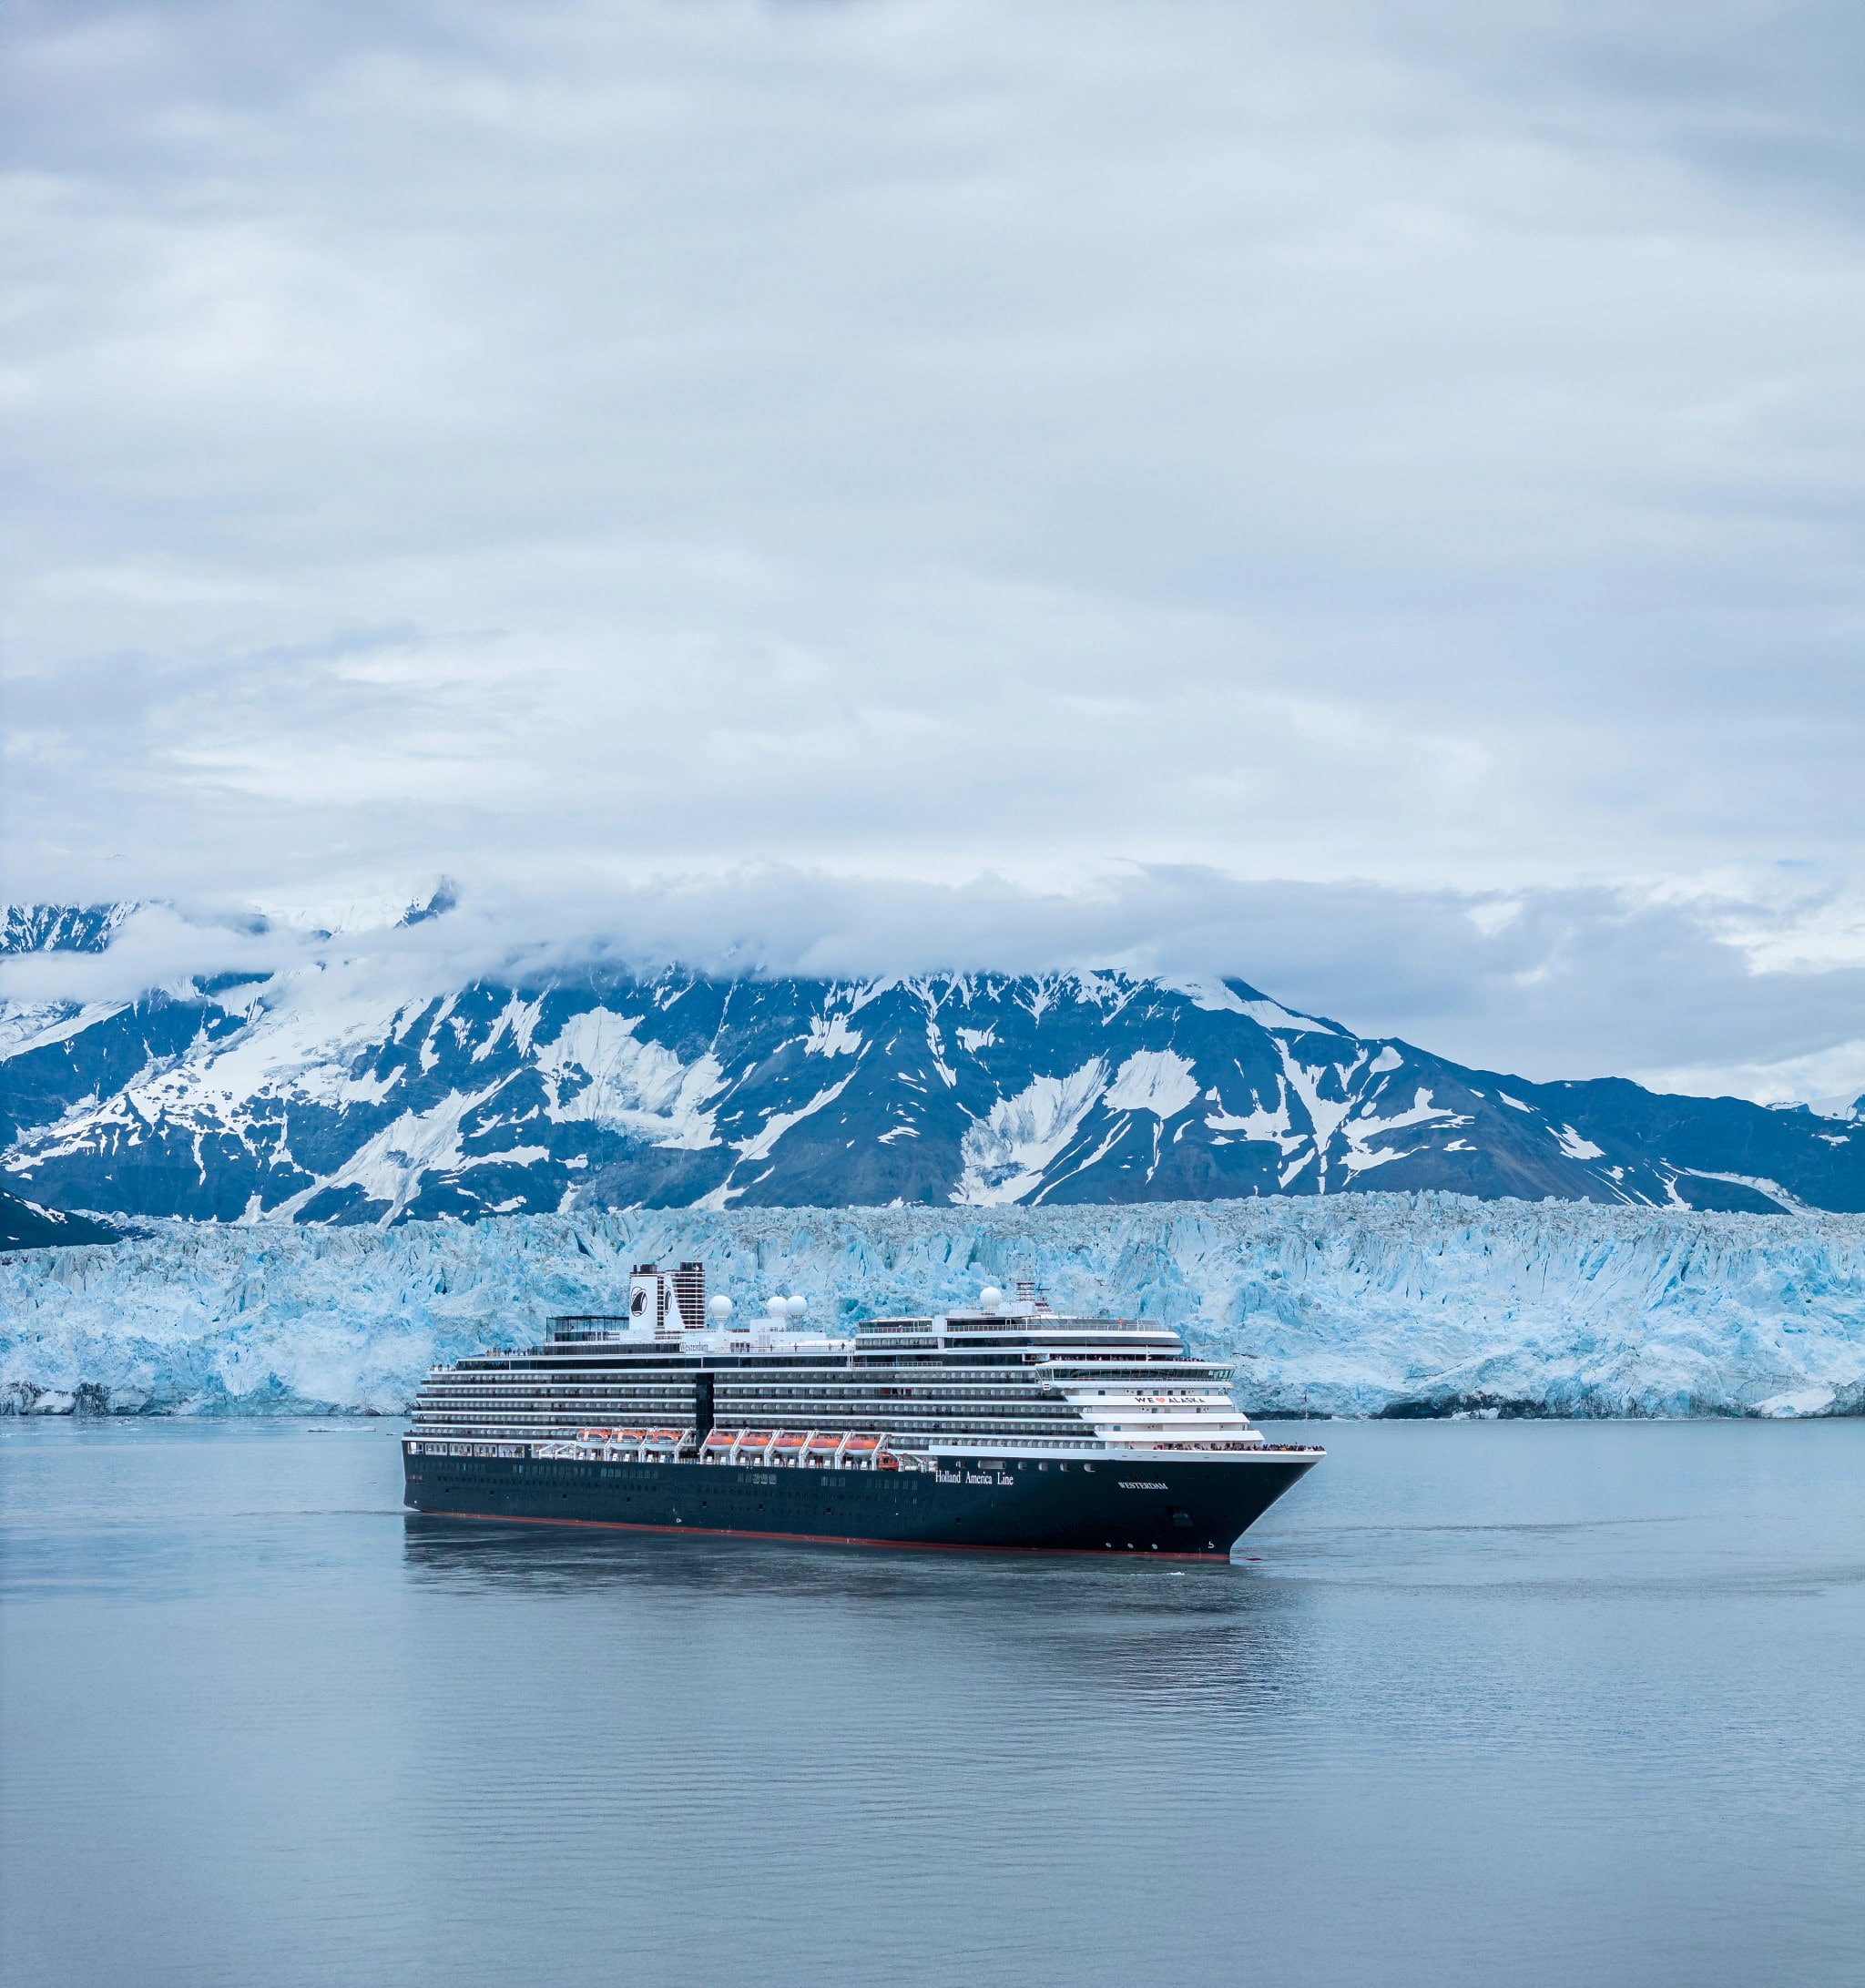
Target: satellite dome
(777,1307)
(796,1307)
(720,1309)
(990,1298)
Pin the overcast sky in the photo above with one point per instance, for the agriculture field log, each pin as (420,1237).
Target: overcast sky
(1368,498)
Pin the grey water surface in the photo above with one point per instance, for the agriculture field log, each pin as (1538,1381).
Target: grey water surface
(1497,1703)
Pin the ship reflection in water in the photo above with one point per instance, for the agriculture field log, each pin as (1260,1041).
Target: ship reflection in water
(1209,1634)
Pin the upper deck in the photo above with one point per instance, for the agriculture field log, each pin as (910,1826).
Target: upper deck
(1026,1332)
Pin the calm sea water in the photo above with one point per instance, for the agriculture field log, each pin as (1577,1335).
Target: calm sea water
(1491,1704)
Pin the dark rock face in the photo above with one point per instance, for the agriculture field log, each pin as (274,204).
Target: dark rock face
(25,1225)
(59,928)
(329,1101)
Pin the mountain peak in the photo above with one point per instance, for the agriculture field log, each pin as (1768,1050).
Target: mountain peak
(299,1099)
(60,928)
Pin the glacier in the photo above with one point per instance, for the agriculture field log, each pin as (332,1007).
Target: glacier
(1377,1304)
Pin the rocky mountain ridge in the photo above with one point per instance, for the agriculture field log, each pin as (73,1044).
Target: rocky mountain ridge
(328,1094)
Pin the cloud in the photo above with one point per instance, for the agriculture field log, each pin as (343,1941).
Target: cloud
(1546,984)
(958,474)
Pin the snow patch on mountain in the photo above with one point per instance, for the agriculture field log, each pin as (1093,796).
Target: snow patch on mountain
(1156,1080)
(599,1070)
(1272,1014)
(1758,1183)
(1005,1154)
(1209,993)
(302,1038)
(780,1122)
(39,1025)
(1271,1127)
(518,1021)
(389,1167)
(831,1035)
(1360,1132)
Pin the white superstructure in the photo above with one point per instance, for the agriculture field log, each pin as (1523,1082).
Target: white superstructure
(1004,1380)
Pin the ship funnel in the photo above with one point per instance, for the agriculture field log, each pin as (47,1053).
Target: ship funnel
(670,1301)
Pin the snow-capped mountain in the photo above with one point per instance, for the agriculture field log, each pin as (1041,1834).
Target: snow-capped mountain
(330,1094)
(59,928)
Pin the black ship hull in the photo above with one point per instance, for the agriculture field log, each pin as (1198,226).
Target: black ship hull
(1193,1508)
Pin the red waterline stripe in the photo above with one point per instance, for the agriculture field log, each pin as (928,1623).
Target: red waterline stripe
(817,1539)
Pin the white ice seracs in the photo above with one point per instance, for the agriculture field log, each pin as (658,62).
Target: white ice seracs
(1352,1305)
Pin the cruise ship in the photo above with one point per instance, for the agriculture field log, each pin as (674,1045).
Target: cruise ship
(1006,1427)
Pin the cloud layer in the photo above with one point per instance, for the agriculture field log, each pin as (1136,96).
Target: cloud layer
(1546,983)
(1372,496)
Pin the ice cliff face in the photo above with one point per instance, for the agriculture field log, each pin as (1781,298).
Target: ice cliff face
(331,1094)
(1372,1304)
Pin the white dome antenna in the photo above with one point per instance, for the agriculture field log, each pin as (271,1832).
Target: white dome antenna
(779,1308)
(796,1307)
(990,1298)
(720,1309)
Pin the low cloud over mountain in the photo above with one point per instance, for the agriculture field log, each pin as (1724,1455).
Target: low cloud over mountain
(334,1091)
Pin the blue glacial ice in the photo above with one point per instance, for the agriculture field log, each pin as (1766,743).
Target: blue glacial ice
(1370,1304)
